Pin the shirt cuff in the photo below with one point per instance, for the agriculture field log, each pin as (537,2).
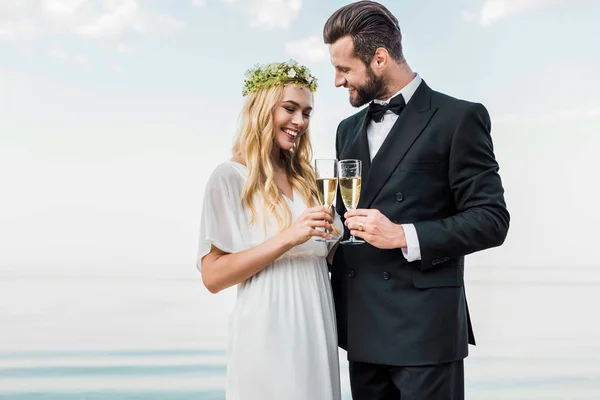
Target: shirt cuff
(412,252)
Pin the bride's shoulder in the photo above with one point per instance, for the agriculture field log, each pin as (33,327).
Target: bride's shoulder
(229,171)
(238,159)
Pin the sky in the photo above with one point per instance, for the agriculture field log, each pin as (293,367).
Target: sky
(113,114)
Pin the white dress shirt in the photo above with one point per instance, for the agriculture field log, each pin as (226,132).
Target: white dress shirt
(376,134)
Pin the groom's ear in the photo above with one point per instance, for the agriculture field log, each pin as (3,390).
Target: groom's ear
(380,60)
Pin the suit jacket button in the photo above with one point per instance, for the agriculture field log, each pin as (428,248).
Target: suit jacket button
(351,273)
(399,196)
(386,275)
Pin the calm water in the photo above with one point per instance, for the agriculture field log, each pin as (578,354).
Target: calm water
(537,331)
(199,375)
(99,375)
(118,394)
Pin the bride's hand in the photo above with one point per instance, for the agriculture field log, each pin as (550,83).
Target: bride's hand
(305,226)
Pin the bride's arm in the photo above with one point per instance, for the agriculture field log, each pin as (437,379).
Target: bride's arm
(221,270)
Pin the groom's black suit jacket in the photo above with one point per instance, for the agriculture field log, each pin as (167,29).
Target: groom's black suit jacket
(437,170)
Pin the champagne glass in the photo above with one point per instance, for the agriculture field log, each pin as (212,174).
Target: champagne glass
(350,181)
(327,183)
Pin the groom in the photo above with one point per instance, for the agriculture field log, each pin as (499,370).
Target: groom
(431,194)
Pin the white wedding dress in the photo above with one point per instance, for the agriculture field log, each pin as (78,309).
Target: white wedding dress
(283,341)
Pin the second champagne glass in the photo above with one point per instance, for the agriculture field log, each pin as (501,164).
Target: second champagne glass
(350,181)
(327,183)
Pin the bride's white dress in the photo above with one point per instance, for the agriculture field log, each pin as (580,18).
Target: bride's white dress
(283,342)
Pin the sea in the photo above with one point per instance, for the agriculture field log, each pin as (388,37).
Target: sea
(149,338)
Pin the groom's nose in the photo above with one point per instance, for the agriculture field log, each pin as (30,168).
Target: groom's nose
(339,80)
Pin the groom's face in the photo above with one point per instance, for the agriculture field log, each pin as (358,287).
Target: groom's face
(351,73)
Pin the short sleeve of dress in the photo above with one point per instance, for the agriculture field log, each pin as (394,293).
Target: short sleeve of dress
(223,222)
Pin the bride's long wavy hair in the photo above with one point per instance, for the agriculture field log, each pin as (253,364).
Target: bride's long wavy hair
(254,144)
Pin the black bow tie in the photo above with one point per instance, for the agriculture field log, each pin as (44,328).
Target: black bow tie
(376,111)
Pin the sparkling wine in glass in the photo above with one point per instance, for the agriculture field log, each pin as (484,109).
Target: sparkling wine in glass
(327,183)
(350,181)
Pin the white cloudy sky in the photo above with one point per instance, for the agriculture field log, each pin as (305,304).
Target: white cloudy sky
(114,112)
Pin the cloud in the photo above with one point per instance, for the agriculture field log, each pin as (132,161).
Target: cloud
(267,14)
(80,60)
(309,50)
(14,31)
(119,17)
(202,3)
(88,19)
(161,23)
(113,21)
(7,6)
(271,14)
(497,10)
(61,8)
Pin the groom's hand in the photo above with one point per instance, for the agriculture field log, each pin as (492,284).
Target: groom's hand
(377,229)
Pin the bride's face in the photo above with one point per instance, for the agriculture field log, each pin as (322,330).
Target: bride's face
(291,116)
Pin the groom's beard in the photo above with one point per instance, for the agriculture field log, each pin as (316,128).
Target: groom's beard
(372,89)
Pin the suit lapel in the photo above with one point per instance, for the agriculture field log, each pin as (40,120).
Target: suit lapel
(411,122)
(359,150)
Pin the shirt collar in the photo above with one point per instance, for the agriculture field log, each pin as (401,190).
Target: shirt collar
(407,91)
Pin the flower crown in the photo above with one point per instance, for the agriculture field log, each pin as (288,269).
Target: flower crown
(265,76)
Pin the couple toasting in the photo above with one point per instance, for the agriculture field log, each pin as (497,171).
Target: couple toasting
(431,194)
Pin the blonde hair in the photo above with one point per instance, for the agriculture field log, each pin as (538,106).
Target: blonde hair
(254,143)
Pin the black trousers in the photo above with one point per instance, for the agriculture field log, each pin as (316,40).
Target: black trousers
(427,382)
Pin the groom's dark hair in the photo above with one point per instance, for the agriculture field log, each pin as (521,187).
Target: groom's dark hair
(370,25)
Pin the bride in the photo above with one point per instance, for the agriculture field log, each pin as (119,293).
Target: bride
(259,215)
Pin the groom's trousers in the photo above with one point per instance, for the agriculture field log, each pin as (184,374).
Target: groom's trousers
(427,382)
